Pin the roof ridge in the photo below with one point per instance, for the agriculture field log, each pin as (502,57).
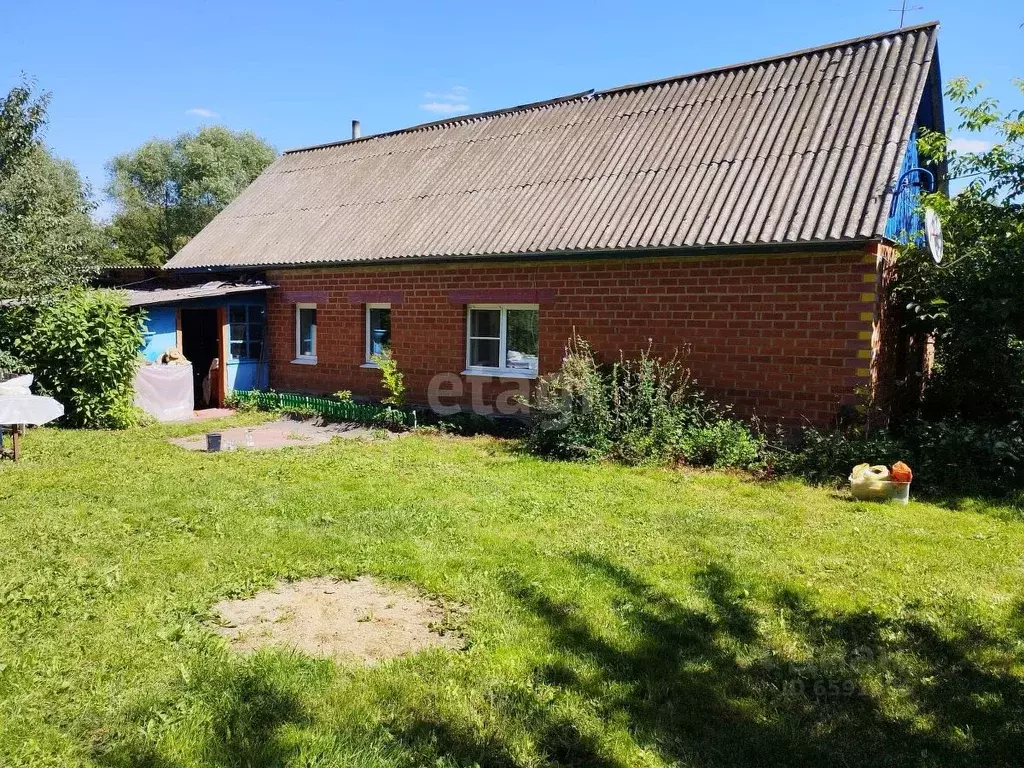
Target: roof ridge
(768,59)
(449,121)
(592,93)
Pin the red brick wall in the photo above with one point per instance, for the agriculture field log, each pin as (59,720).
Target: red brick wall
(787,337)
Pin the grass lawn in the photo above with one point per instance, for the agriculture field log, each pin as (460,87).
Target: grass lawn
(616,616)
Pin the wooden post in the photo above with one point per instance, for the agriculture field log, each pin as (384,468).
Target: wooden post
(220,386)
(16,444)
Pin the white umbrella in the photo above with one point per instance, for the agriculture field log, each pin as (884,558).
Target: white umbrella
(19,406)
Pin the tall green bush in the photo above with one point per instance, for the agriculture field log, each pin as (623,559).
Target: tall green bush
(973,304)
(640,410)
(648,396)
(83,348)
(571,413)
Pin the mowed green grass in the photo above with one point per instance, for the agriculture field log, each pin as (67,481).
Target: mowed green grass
(614,616)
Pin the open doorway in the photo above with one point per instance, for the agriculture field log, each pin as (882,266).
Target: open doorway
(200,343)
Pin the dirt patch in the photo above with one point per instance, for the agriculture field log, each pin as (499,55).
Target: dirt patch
(285,433)
(361,619)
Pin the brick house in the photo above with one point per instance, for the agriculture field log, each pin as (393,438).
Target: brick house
(746,213)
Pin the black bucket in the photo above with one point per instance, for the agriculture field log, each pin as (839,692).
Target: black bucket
(213,442)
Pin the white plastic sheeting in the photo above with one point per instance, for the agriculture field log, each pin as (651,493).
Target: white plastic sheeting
(19,406)
(166,392)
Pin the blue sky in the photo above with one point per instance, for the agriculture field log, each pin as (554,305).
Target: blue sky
(297,73)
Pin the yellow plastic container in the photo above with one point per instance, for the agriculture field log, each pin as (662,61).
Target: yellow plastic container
(867,489)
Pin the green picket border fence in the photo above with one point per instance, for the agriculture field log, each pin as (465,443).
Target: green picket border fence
(362,413)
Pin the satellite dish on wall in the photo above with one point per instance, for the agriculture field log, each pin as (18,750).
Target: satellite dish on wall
(933,233)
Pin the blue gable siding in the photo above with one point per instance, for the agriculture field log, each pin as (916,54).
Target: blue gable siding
(906,218)
(906,222)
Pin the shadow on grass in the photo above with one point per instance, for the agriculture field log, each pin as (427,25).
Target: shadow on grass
(248,713)
(707,687)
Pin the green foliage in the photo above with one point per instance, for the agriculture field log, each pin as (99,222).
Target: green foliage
(47,238)
(997,172)
(22,117)
(648,396)
(390,377)
(168,190)
(10,363)
(825,456)
(974,303)
(82,346)
(959,458)
(571,414)
(721,443)
(643,410)
(468,424)
(344,395)
(392,418)
(950,459)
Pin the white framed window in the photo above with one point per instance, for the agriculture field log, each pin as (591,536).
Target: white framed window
(305,334)
(502,340)
(378,331)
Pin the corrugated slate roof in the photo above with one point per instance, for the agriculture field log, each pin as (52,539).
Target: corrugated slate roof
(794,149)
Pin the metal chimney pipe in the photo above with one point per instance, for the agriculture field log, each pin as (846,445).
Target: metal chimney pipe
(355,129)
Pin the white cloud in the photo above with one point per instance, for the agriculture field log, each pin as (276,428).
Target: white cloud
(964,144)
(457,93)
(201,112)
(444,107)
(450,102)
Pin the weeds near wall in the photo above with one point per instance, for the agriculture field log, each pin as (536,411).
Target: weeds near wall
(639,410)
(391,378)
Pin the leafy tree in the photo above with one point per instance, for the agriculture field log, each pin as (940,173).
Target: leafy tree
(22,117)
(83,347)
(974,302)
(168,190)
(47,237)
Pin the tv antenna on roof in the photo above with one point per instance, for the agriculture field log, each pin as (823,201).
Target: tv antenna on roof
(902,10)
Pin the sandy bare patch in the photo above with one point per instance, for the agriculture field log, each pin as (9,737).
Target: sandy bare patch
(361,619)
(284,433)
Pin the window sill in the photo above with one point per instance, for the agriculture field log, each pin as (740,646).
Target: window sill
(304,361)
(370,365)
(500,373)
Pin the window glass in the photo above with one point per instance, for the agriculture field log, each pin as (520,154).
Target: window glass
(246,327)
(307,332)
(485,323)
(484,353)
(484,338)
(503,338)
(379,319)
(522,337)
